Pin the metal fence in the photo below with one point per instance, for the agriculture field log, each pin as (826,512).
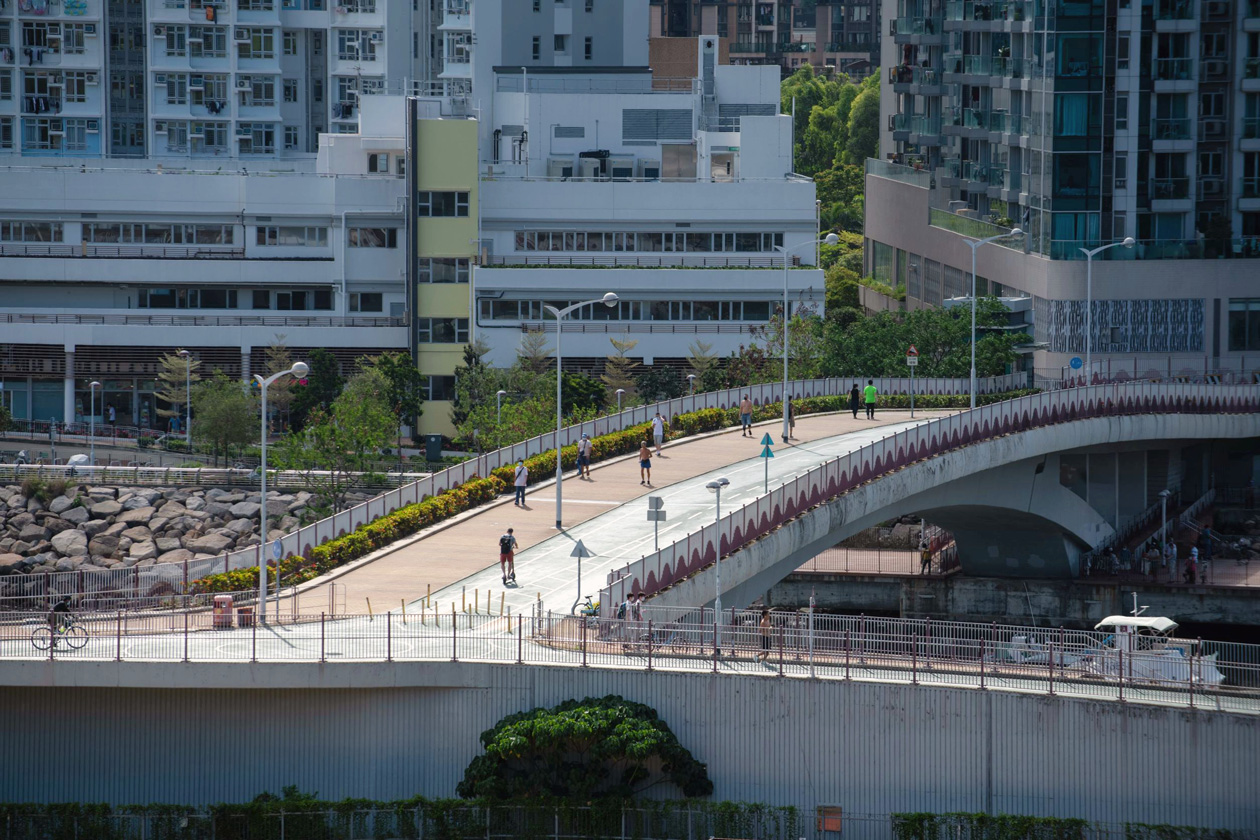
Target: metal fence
(697,551)
(194,476)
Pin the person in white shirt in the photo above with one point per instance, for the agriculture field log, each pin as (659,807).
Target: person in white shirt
(584,456)
(522,479)
(658,431)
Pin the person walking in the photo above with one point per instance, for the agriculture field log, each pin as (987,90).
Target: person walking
(871,394)
(507,556)
(658,431)
(1192,566)
(1170,560)
(520,482)
(855,400)
(584,456)
(745,416)
(645,464)
(789,409)
(766,628)
(111,416)
(925,558)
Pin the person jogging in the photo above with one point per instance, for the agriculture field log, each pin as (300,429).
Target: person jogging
(745,415)
(584,456)
(507,556)
(658,431)
(871,394)
(520,482)
(645,464)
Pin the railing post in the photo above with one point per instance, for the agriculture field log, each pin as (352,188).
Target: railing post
(649,645)
(583,619)
(1192,655)
(117,637)
(322,617)
(715,646)
(1121,675)
(185,633)
(389,637)
(781,632)
(982,655)
(914,658)
(253,647)
(846,653)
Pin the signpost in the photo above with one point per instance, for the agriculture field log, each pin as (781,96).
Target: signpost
(656,515)
(766,455)
(912,360)
(580,552)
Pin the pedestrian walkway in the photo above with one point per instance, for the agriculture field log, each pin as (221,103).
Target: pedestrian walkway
(465,553)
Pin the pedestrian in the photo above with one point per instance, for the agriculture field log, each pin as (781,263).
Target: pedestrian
(1192,566)
(855,400)
(765,628)
(658,431)
(1205,554)
(110,415)
(584,456)
(870,393)
(1150,560)
(507,556)
(645,464)
(789,411)
(925,557)
(174,426)
(636,608)
(1170,560)
(521,480)
(745,416)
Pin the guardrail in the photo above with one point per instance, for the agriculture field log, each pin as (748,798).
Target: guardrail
(699,550)
(300,542)
(203,320)
(190,476)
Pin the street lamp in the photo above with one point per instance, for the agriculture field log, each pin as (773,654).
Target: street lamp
(92,423)
(691,380)
(187,357)
(1163,517)
(829,239)
(715,487)
(973,245)
(498,405)
(610,299)
(298,370)
(620,393)
(1089,297)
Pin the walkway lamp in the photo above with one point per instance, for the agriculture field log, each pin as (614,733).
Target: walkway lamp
(187,357)
(298,371)
(829,239)
(974,245)
(691,382)
(1089,298)
(715,487)
(92,424)
(498,405)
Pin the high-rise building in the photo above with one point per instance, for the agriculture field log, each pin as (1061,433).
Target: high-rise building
(1083,124)
(200,78)
(840,34)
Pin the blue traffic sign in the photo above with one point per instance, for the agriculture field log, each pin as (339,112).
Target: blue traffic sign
(766,453)
(767,440)
(1076,363)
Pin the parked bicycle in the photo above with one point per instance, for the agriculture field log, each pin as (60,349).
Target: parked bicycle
(67,631)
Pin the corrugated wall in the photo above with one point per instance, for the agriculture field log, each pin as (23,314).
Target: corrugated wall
(870,748)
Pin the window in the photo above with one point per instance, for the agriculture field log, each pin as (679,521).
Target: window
(30,232)
(262,299)
(291,137)
(442,330)
(440,388)
(1122,52)
(207,41)
(290,43)
(364,237)
(75,86)
(1244,324)
(588,48)
(537,5)
(442,270)
(1122,170)
(42,133)
(153,233)
(260,91)
(560,43)
(537,50)
(256,138)
(257,43)
(356,45)
(176,89)
(6,132)
(378,162)
(1212,104)
(293,236)
(176,40)
(290,90)
(188,298)
(442,204)
(366,302)
(1122,111)
(590,5)
(73,40)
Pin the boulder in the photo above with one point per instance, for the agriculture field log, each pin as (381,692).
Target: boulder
(136,503)
(102,492)
(56,525)
(296,506)
(107,507)
(232,498)
(61,504)
(218,509)
(275,507)
(288,523)
(165,544)
(143,551)
(158,523)
(178,555)
(246,510)
(136,516)
(139,533)
(103,545)
(94,527)
(70,543)
(11,563)
(76,515)
(67,564)
(34,533)
(21,520)
(171,510)
(241,526)
(33,505)
(114,530)
(124,544)
(210,544)
(195,503)
(20,547)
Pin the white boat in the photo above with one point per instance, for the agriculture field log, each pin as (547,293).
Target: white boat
(1144,650)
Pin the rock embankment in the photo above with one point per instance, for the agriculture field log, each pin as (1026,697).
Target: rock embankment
(90,528)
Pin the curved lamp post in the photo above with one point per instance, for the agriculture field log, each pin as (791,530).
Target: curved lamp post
(609,299)
(691,382)
(298,370)
(1127,242)
(715,487)
(92,422)
(829,239)
(187,357)
(973,245)
(498,405)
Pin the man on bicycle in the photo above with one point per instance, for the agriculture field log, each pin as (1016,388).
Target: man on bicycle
(59,616)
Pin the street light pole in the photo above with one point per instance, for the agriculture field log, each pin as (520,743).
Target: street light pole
(187,398)
(829,239)
(298,370)
(609,299)
(691,381)
(1089,299)
(498,405)
(974,245)
(92,423)
(715,487)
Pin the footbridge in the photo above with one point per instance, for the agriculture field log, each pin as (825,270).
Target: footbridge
(1003,478)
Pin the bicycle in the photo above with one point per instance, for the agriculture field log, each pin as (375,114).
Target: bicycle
(68,631)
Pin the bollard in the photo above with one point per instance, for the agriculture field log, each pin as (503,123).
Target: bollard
(502,599)
(463,599)
(489,605)
(369,606)
(428,594)
(509,617)
(403,601)
(476,600)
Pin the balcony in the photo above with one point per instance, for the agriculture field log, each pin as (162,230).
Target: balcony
(1174,9)
(1176,128)
(914,26)
(907,75)
(1251,128)
(1249,187)
(1251,68)
(968,118)
(1012,68)
(1173,69)
(849,47)
(1170,189)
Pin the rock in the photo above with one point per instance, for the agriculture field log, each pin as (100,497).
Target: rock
(20,547)
(103,545)
(124,544)
(138,534)
(33,505)
(21,520)
(241,526)
(34,533)
(275,507)
(61,504)
(195,503)
(76,515)
(211,544)
(274,534)
(136,516)
(103,492)
(218,509)
(158,523)
(172,509)
(288,523)
(56,525)
(114,530)
(246,510)
(143,551)
(11,563)
(178,555)
(70,543)
(297,505)
(94,527)
(231,498)
(136,503)
(105,508)
(216,493)
(165,544)
(67,564)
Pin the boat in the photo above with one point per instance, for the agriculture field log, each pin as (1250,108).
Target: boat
(1143,649)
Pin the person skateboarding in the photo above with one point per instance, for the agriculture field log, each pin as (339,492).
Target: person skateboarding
(507,556)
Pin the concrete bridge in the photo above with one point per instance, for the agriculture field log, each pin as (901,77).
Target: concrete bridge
(1012,482)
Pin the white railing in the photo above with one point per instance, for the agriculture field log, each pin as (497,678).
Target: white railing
(698,550)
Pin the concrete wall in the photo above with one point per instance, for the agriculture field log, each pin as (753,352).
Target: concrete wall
(160,733)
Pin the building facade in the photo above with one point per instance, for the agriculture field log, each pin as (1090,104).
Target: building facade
(1082,124)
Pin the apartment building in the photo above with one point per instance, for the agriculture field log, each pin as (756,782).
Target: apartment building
(1082,124)
(201,78)
(841,34)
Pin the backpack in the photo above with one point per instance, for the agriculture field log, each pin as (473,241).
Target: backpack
(505,544)
(621,611)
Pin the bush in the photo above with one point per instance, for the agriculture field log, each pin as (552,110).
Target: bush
(43,490)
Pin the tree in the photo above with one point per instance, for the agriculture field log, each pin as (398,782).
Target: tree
(534,354)
(582,394)
(701,358)
(475,382)
(805,348)
(227,414)
(863,140)
(280,392)
(841,293)
(658,383)
(841,191)
(405,387)
(6,419)
(174,374)
(580,750)
(323,385)
(619,369)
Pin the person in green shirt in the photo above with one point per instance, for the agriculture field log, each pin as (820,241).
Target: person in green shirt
(870,393)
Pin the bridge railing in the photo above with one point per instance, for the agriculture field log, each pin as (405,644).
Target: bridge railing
(302,540)
(698,550)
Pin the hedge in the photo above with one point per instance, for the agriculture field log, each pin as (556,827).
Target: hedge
(477,491)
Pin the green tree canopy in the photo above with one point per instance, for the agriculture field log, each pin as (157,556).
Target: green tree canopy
(226,412)
(579,750)
(323,385)
(863,139)
(175,373)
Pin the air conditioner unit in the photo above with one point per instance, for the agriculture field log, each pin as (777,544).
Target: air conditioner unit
(241,34)
(588,168)
(159,79)
(621,168)
(244,132)
(242,83)
(376,37)
(196,81)
(1213,127)
(196,135)
(650,170)
(1215,67)
(159,127)
(89,29)
(194,39)
(1213,186)
(93,127)
(559,168)
(159,31)
(92,79)
(57,132)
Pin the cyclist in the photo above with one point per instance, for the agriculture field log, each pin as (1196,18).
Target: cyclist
(59,617)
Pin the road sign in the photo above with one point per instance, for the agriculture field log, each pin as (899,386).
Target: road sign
(766,453)
(912,351)
(580,551)
(656,516)
(277,549)
(655,503)
(767,440)
(912,361)
(1076,363)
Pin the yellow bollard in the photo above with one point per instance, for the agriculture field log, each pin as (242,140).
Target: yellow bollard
(489,603)
(369,605)
(463,599)
(509,618)
(428,595)
(421,613)
(403,601)
(502,596)
(476,600)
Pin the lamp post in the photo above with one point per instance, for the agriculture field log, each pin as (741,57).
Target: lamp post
(715,487)
(610,299)
(691,382)
(187,357)
(620,393)
(829,239)
(298,370)
(1163,518)
(498,405)
(974,245)
(1089,297)
(92,423)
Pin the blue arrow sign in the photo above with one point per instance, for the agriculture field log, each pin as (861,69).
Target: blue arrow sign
(766,453)
(1076,363)
(767,440)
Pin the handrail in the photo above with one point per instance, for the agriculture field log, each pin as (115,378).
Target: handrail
(739,527)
